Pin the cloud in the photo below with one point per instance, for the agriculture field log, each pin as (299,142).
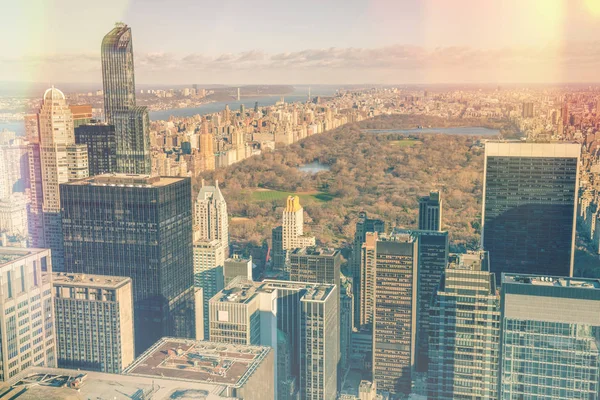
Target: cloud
(553,62)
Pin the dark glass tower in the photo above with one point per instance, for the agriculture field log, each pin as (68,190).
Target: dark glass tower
(101,142)
(131,122)
(139,227)
(117,70)
(529,207)
(430,212)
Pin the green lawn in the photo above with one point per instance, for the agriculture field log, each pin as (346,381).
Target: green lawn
(404,142)
(270,195)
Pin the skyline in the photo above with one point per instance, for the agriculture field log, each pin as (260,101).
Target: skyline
(356,42)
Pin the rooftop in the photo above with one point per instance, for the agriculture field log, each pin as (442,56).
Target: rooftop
(528,149)
(314,291)
(199,361)
(315,251)
(59,384)
(126,180)
(538,280)
(241,291)
(11,254)
(91,281)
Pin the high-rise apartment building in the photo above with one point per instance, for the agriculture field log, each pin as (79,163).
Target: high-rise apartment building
(210,216)
(433,260)
(60,161)
(209,258)
(315,265)
(346,318)
(527,111)
(139,227)
(131,122)
(465,331)
(367,279)
(395,312)
(94,322)
(101,144)
(364,225)
(13,215)
(430,212)
(529,207)
(237,266)
(290,235)
(307,315)
(549,337)
(207,152)
(27,317)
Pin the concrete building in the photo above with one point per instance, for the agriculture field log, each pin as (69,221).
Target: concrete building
(94,321)
(293,226)
(60,161)
(307,314)
(395,312)
(139,227)
(13,215)
(210,216)
(464,345)
(364,225)
(237,267)
(315,265)
(430,212)
(207,151)
(27,317)
(530,206)
(209,258)
(367,279)
(549,337)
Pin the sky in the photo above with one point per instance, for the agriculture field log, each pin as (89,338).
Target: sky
(307,42)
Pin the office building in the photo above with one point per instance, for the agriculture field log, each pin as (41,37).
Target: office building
(13,215)
(307,314)
(14,164)
(465,331)
(433,260)
(209,258)
(237,266)
(315,265)
(27,317)
(395,312)
(549,337)
(60,161)
(131,122)
(82,114)
(118,79)
(94,321)
(346,318)
(529,207)
(364,225)
(139,227)
(210,216)
(101,144)
(277,255)
(430,212)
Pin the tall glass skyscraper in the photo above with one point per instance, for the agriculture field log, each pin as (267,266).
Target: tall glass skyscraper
(549,337)
(131,122)
(140,227)
(529,207)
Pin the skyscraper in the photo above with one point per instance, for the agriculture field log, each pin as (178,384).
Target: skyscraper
(207,151)
(292,232)
(60,161)
(529,207)
(139,227)
(94,322)
(210,216)
(209,258)
(131,122)
(394,322)
(549,337)
(367,278)
(315,265)
(363,226)
(101,144)
(465,332)
(430,212)
(117,70)
(27,317)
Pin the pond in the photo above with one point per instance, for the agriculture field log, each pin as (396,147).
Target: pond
(314,167)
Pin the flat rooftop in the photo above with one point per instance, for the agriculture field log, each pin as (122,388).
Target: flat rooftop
(312,291)
(318,293)
(11,254)
(59,384)
(529,149)
(241,291)
(199,361)
(554,281)
(91,281)
(127,180)
(315,251)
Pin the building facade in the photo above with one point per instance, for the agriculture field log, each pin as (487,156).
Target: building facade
(211,221)
(94,322)
(27,318)
(530,206)
(465,332)
(209,258)
(549,337)
(430,212)
(237,266)
(101,143)
(139,227)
